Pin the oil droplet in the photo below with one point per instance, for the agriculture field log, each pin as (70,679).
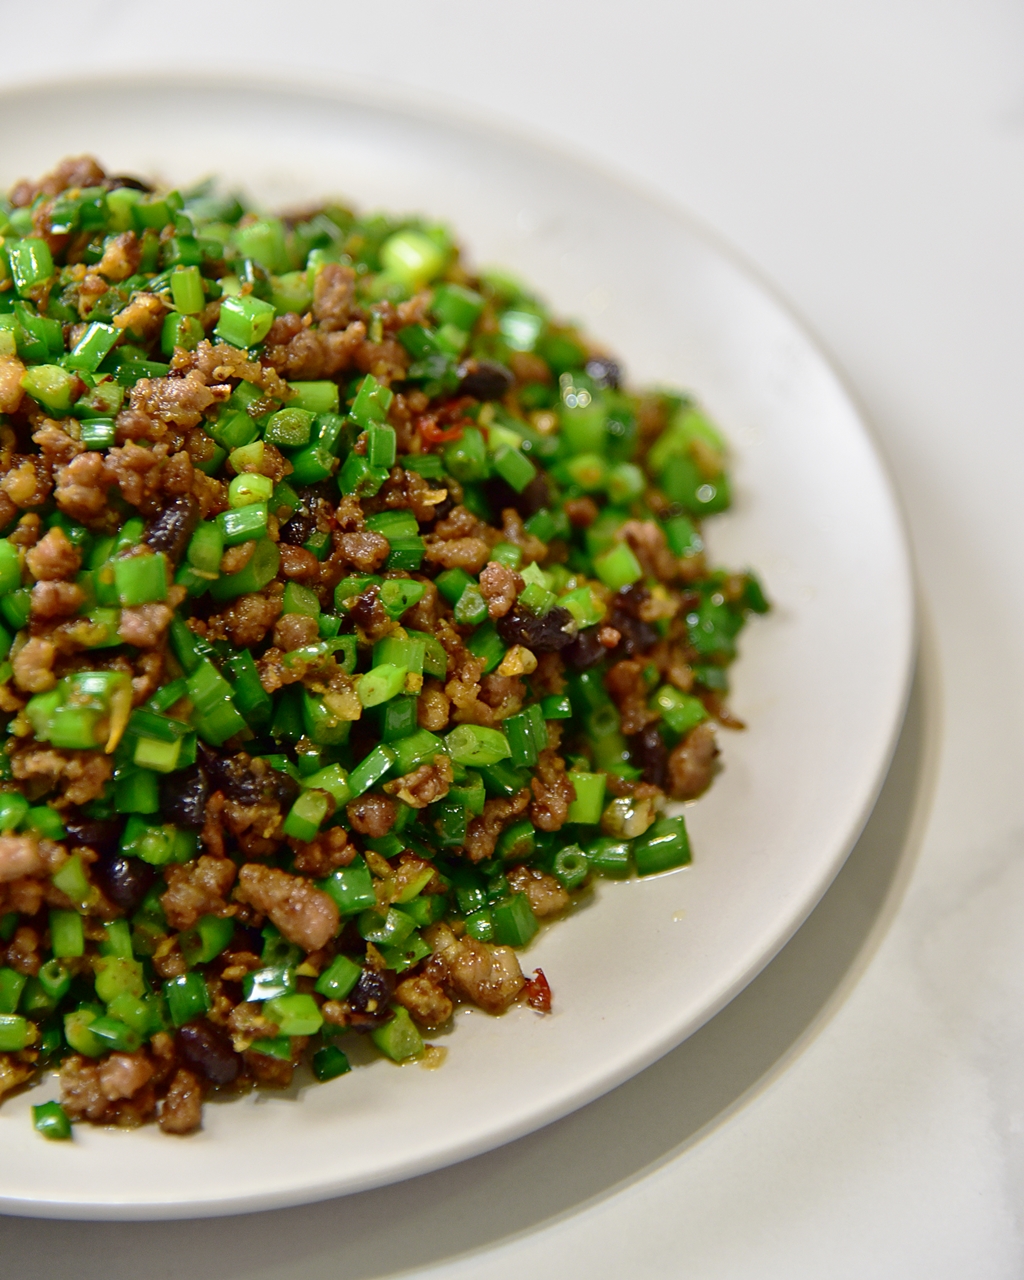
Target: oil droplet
(433,1056)
(679,916)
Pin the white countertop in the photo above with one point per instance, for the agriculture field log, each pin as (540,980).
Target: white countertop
(859,1109)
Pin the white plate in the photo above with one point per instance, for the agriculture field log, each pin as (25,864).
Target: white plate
(821,681)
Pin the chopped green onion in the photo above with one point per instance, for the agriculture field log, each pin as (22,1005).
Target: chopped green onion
(244,321)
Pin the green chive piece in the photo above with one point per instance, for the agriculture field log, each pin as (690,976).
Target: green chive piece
(371,769)
(67,939)
(329,1063)
(187,290)
(295,1015)
(306,816)
(141,579)
(187,997)
(50,1120)
(398,1039)
(663,846)
(618,567)
(315,397)
(380,684)
(514,921)
(514,467)
(473,744)
(244,321)
(351,888)
(587,806)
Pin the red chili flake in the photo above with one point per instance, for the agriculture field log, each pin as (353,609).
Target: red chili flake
(431,433)
(538,992)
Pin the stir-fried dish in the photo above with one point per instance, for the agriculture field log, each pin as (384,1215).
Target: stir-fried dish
(354,617)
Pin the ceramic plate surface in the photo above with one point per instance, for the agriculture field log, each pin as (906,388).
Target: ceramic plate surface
(821,681)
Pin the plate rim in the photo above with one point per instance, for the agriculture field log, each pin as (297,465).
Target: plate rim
(443,111)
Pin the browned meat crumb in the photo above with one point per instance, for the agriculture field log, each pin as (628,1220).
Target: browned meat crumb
(56,600)
(333,296)
(33,665)
(182,1108)
(432,707)
(691,765)
(625,682)
(483,831)
(197,889)
(582,512)
(144,625)
(19,856)
(553,791)
(319,857)
(82,487)
(424,785)
(304,914)
(425,1000)
(546,895)
(488,976)
(470,554)
(372,815)
(28,483)
(11,373)
(366,551)
(294,630)
(298,563)
(80,774)
(246,621)
(13,1072)
(53,557)
(499,586)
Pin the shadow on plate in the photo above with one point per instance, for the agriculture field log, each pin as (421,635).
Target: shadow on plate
(585,1157)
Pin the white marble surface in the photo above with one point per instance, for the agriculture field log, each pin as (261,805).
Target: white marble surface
(859,1110)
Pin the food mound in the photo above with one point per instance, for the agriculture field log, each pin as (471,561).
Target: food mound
(353,618)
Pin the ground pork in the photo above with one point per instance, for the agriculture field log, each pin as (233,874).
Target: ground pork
(55,556)
(625,682)
(304,914)
(424,785)
(298,352)
(121,256)
(28,483)
(56,600)
(320,856)
(56,446)
(298,563)
(488,976)
(483,831)
(197,889)
(425,1000)
(144,625)
(372,815)
(470,554)
(11,373)
(545,894)
(246,621)
(75,171)
(82,487)
(33,665)
(79,775)
(19,856)
(432,707)
(691,765)
(365,551)
(182,1109)
(499,586)
(553,792)
(295,630)
(333,296)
